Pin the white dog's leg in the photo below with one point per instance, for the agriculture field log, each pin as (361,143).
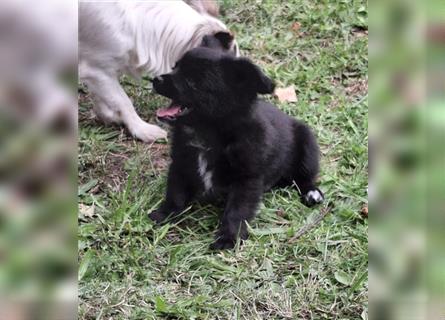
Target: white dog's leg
(113,105)
(104,112)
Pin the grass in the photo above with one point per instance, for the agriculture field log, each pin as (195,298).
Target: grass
(132,269)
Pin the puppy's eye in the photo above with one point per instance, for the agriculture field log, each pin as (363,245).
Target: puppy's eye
(175,66)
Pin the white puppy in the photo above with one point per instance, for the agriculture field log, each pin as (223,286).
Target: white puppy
(136,37)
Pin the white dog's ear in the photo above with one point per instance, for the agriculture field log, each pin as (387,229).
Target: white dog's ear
(244,74)
(225,38)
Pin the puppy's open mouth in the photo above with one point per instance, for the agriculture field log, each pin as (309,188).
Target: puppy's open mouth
(172,112)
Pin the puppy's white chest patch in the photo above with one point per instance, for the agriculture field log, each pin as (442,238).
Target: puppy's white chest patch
(204,172)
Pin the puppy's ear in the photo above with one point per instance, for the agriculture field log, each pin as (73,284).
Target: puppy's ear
(225,38)
(243,73)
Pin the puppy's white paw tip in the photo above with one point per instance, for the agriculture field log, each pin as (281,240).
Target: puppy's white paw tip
(313,197)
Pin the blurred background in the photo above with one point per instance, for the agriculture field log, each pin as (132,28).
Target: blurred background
(38,143)
(38,123)
(407,160)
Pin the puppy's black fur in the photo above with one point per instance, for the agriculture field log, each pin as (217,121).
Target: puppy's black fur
(229,144)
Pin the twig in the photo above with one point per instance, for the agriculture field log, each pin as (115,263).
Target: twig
(303,230)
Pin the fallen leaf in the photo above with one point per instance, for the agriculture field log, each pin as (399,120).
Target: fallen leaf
(286,94)
(85,263)
(86,211)
(361,33)
(280,212)
(364,211)
(160,304)
(343,277)
(296,26)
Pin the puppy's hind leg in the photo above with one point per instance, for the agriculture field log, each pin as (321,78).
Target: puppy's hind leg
(306,166)
(311,194)
(113,105)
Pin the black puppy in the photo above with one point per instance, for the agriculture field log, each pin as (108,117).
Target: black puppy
(229,144)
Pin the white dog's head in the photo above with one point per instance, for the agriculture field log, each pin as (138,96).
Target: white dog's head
(165,31)
(216,34)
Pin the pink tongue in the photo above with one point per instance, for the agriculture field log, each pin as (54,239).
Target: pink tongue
(168,112)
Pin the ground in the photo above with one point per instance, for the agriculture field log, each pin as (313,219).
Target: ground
(131,269)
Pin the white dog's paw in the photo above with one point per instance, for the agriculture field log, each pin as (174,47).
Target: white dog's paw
(146,132)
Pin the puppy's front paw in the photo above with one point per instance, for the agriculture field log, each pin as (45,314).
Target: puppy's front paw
(313,197)
(223,243)
(158,216)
